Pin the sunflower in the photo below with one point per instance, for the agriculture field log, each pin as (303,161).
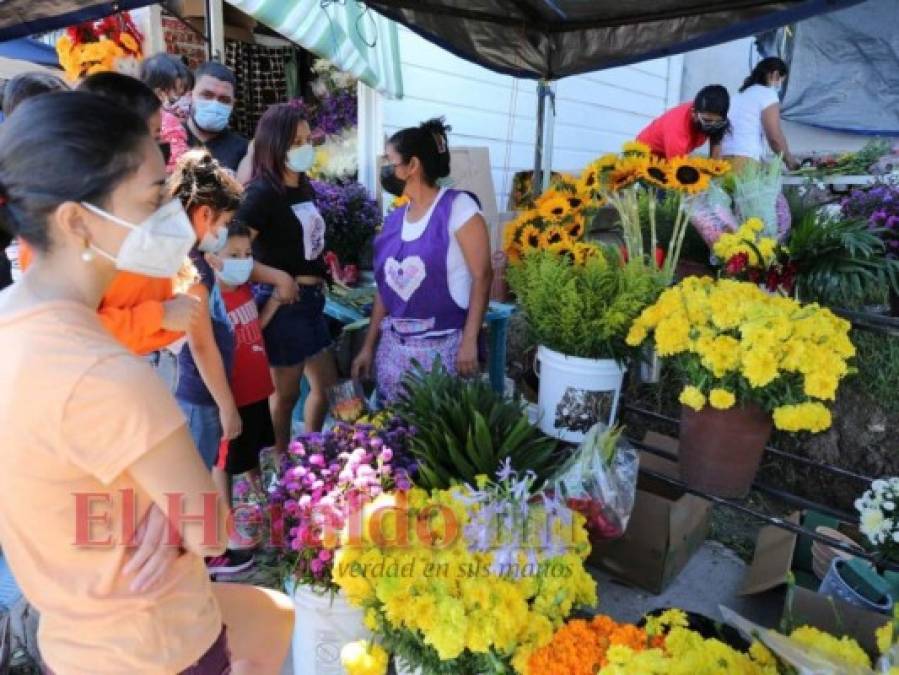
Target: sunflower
(584,252)
(553,235)
(589,184)
(513,254)
(636,149)
(606,162)
(553,205)
(687,175)
(565,183)
(530,238)
(575,229)
(715,167)
(575,201)
(564,249)
(657,172)
(626,172)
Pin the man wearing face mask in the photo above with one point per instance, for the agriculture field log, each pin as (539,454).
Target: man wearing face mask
(681,130)
(755,117)
(212,104)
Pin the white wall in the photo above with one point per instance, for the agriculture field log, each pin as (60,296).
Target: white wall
(595,112)
(729,64)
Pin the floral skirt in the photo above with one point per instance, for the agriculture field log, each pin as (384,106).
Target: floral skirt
(398,352)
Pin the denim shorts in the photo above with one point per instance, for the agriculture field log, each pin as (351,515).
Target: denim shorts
(205,428)
(165,363)
(299,330)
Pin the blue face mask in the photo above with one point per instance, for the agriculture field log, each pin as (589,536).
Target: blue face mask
(213,243)
(235,271)
(211,116)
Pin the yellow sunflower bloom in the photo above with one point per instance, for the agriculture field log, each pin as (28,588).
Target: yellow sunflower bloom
(657,173)
(584,252)
(530,238)
(626,173)
(636,148)
(575,229)
(606,162)
(687,175)
(589,182)
(554,207)
(564,248)
(552,236)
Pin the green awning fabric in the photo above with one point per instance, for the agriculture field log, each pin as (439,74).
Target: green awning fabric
(348,34)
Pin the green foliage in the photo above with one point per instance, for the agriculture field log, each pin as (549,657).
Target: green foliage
(840,261)
(877,361)
(583,310)
(464,428)
(694,248)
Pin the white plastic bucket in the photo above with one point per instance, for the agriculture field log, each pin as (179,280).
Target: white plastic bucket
(576,393)
(320,630)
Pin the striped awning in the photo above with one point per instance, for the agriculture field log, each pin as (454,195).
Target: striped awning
(348,34)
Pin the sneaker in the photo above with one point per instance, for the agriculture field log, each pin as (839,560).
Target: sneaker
(231,562)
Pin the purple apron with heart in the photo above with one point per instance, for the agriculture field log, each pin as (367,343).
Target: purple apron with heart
(423,321)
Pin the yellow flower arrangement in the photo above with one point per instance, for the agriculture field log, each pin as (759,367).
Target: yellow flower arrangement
(553,205)
(842,649)
(636,148)
(421,585)
(553,235)
(732,342)
(760,251)
(98,46)
(657,173)
(364,658)
(687,175)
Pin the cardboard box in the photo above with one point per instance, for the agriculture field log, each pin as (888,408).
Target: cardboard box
(470,170)
(778,553)
(666,528)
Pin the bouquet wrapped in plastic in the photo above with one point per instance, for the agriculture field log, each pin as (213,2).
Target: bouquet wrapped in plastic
(711,214)
(600,481)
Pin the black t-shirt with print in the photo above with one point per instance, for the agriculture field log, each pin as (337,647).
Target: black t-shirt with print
(228,147)
(272,211)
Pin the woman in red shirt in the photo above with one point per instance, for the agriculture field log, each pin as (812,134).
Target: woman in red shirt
(681,130)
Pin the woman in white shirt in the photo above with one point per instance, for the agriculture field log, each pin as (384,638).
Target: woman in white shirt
(755,117)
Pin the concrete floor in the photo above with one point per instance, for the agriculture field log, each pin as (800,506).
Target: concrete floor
(713,577)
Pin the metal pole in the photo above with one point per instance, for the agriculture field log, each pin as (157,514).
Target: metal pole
(546,124)
(215,30)
(537,182)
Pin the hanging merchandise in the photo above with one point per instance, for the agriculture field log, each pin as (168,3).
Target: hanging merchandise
(261,73)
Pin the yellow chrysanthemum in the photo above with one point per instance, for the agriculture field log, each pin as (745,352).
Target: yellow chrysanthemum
(687,176)
(636,148)
(813,417)
(884,637)
(693,398)
(553,235)
(721,399)
(364,658)
(843,648)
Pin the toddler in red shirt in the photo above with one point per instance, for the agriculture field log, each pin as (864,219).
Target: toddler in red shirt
(251,380)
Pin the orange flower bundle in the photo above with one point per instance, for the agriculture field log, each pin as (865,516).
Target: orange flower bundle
(579,647)
(96,46)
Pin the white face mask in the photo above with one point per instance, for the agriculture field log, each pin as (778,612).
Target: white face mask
(213,243)
(155,248)
(300,158)
(235,271)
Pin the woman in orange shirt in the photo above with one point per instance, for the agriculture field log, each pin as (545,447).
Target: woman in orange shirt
(91,440)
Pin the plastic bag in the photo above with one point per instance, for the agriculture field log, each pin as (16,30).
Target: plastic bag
(711,213)
(347,400)
(600,481)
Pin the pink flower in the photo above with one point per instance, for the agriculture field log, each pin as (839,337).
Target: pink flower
(324,555)
(317,459)
(296,544)
(318,485)
(386,455)
(317,566)
(305,501)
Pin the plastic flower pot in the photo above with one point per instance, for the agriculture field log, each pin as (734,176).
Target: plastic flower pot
(323,625)
(855,581)
(720,450)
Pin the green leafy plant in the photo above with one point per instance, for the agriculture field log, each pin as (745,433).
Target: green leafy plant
(464,429)
(694,248)
(839,261)
(584,310)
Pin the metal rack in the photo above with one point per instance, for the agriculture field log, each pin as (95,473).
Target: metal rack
(786,497)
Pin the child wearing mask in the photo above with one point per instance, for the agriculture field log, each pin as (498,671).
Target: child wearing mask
(165,76)
(210,196)
(251,379)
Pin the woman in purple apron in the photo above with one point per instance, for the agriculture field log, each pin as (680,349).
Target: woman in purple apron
(432,267)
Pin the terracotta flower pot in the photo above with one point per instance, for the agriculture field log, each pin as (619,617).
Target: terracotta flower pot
(720,450)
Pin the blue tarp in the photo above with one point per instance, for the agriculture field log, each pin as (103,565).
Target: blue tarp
(28,49)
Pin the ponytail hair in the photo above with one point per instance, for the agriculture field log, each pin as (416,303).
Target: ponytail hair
(429,141)
(763,69)
(199,180)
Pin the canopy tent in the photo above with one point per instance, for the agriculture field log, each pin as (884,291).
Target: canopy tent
(551,39)
(20,18)
(27,49)
(350,36)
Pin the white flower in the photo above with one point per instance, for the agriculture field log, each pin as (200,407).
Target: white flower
(871,522)
(879,485)
(859,504)
(889,506)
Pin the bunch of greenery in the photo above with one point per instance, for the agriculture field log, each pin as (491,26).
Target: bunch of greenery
(584,310)
(694,248)
(464,429)
(840,261)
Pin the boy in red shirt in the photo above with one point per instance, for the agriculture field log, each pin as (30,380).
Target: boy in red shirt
(251,380)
